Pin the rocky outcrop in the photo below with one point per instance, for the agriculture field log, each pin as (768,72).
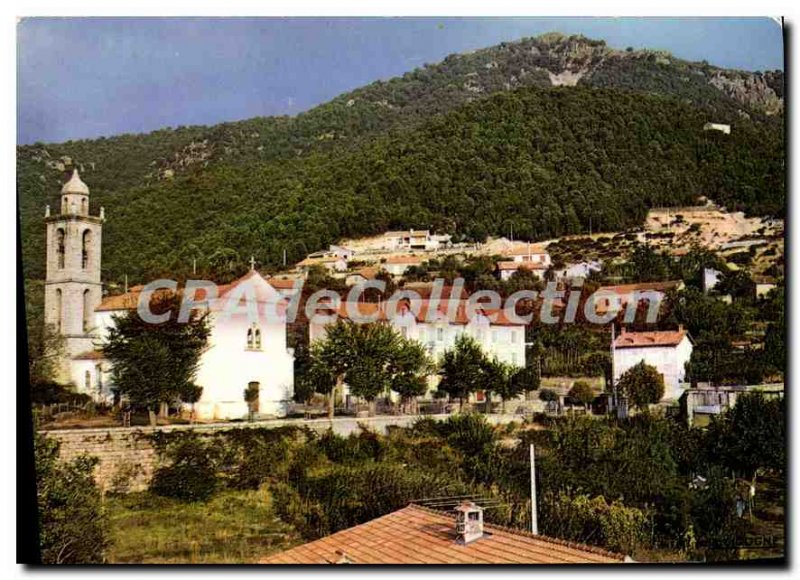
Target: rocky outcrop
(754,90)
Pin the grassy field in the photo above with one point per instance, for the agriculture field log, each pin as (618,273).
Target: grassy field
(232,527)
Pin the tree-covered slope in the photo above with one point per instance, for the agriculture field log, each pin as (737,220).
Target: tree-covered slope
(436,147)
(544,161)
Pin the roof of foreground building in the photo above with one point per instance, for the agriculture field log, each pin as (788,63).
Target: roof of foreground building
(419,535)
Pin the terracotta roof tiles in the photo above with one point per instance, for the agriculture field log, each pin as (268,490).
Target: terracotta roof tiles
(418,535)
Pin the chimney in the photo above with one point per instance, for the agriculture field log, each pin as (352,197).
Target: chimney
(680,328)
(469,522)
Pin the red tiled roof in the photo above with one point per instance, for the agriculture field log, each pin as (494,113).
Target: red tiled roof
(645,339)
(524,265)
(460,316)
(403,260)
(418,535)
(625,289)
(525,251)
(130,300)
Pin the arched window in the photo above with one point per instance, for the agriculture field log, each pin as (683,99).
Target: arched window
(254,337)
(60,249)
(83,206)
(85,243)
(59,308)
(87,311)
(87,380)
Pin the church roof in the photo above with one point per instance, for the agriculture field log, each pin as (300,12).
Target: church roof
(75,185)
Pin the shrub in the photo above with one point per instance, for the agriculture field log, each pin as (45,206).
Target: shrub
(593,521)
(192,474)
(73,528)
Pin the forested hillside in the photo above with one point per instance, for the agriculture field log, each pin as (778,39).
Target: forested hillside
(472,146)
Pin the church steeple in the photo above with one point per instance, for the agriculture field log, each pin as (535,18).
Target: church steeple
(72,286)
(75,196)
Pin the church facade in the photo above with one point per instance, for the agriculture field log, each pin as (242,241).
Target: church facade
(241,352)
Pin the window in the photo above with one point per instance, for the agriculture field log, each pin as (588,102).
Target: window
(404,331)
(60,250)
(83,206)
(85,242)
(254,338)
(87,381)
(59,309)
(514,358)
(87,311)
(494,336)
(514,336)
(440,334)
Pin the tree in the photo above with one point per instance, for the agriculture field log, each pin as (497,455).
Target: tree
(496,379)
(750,436)
(462,369)
(73,527)
(647,265)
(582,392)
(154,363)
(371,358)
(410,367)
(548,397)
(642,384)
(251,397)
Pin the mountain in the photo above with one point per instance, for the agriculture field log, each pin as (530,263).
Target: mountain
(544,133)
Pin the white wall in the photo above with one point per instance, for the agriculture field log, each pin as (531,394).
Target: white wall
(668,360)
(228,366)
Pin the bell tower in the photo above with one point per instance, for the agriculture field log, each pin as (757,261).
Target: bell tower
(72,286)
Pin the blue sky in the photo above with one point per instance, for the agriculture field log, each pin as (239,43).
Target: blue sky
(84,78)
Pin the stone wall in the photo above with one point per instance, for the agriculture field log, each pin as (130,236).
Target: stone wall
(127,458)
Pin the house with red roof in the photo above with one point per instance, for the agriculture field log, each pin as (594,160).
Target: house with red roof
(666,350)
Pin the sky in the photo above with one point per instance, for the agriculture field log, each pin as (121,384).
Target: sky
(90,77)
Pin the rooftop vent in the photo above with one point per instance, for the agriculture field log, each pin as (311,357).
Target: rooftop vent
(469,522)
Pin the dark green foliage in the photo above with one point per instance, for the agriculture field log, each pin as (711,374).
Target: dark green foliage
(582,392)
(192,471)
(751,436)
(544,160)
(462,368)
(642,384)
(594,521)
(154,363)
(73,528)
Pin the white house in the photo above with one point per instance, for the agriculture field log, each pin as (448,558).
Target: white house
(331,263)
(397,265)
(668,351)
(721,127)
(240,350)
(437,326)
(507,269)
(528,254)
(414,240)
(579,271)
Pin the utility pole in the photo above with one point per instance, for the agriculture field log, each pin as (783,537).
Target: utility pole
(284,257)
(194,266)
(126,283)
(534,519)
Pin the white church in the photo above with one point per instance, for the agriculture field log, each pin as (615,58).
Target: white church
(240,352)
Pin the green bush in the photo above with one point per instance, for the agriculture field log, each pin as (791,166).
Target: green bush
(73,527)
(594,521)
(192,474)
